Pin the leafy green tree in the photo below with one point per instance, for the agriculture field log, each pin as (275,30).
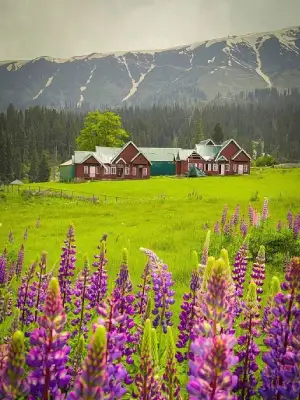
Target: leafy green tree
(218,136)
(265,161)
(101,129)
(33,173)
(44,169)
(197,133)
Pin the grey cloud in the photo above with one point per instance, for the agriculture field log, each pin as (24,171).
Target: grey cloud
(63,28)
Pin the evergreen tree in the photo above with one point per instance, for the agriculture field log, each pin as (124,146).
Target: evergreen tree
(3,160)
(44,169)
(33,173)
(218,136)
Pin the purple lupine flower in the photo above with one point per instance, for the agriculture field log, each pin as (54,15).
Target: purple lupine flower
(5,305)
(19,266)
(251,214)
(188,319)
(11,237)
(25,300)
(210,372)
(163,296)
(81,298)
(12,270)
(97,289)
(93,378)
(13,384)
(67,266)
(290,219)
(236,216)
(25,236)
(3,270)
(265,211)
(40,287)
(227,228)
(217,229)
(244,229)
(144,288)
(205,249)
(258,271)
(240,268)
(224,215)
(248,350)
(171,384)
(49,352)
(279,226)
(38,223)
(148,387)
(281,376)
(296,226)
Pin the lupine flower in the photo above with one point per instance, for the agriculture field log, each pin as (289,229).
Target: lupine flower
(240,268)
(25,236)
(13,385)
(248,350)
(171,384)
(251,214)
(258,271)
(93,378)
(236,216)
(11,237)
(217,229)
(210,373)
(296,226)
(98,287)
(4,349)
(163,296)
(12,270)
(227,229)
(144,288)
(49,351)
(81,298)
(244,229)
(67,266)
(19,266)
(290,219)
(39,288)
(3,270)
(279,226)
(281,376)
(25,300)
(5,304)
(38,223)
(268,316)
(188,315)
(205,249)
(265,211)
(148,388)
(224,215)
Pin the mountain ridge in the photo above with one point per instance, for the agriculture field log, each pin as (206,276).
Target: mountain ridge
(183,74)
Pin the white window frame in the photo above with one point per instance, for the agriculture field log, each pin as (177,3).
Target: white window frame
(215,167)
(227,167)
(86,169)
(209,167)
(145,171)
(234,167)
(201,166)
(245,168)
(134,171)
(127,170)
(113,170)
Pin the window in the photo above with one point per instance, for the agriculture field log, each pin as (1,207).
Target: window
(215,167)
(107,171)
(134,171)
(245,168)
(227,167)
(127,171)
(208,167)
(234,167)
(145,171)
(200,165)
(97,170)
(86,169)
(113,170)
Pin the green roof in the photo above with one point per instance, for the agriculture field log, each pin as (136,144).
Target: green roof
(160,154)
(208,152)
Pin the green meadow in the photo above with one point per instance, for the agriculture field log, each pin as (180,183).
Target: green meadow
(168,215)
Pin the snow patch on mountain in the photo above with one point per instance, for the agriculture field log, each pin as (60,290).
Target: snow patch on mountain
(83,88)
(211,61)
(48,83)
(135,84)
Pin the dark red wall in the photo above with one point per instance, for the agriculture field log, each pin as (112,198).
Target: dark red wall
(128,153)
(242,157)
(230,150)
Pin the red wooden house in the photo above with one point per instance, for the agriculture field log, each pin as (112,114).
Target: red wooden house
(127,162)
(225,159)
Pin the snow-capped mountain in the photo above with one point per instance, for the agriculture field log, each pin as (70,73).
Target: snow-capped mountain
(183,74)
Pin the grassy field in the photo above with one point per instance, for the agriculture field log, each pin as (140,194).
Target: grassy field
(171,222)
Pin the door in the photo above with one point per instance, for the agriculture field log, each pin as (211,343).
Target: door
(240,169)
(222,169)
(92,172)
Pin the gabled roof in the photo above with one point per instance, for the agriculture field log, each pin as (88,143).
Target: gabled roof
(139,154)
(16,182)
(206,141)
(241,151)
(221,158)
(225,144)
(207,152)
(69,162)
(122,149)
(106,154)
(81,156)
(121,159)
(183,154)
(160,154)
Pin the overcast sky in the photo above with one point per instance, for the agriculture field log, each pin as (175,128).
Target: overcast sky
(64,28)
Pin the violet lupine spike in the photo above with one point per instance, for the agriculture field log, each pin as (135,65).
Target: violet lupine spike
(296,226)
(26,296)
(265,211)
(163,296)
(210,373)
(171,383)
(67,266)
(13,384)
(81,299)
(224,215)
(5,304)
(227,229)
(217,229)
(40,287)
(236,216)
(244,229)
(3,270)
(12,270)
(258,271)
(19,266)
(49,352)
(98,287)
(248,350)
(240,268)
(290,219)
(93,378)
(251,214)
(279,226)
(205,248)
(144,288)
(281,376)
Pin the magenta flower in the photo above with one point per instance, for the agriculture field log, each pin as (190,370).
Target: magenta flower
(3,270)
(251,214)
(240,268)
(265,211)
(49,352)
(217,229)
(258,271)
(25,299)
